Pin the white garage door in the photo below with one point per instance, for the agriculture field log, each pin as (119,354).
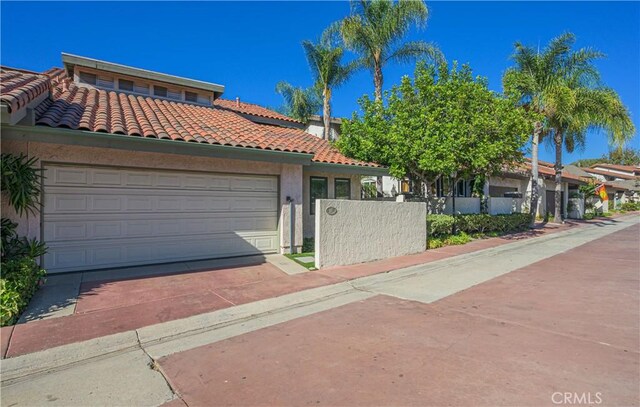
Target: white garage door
(112,217)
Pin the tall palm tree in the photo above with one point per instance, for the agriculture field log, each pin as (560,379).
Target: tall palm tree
(299,103)
(375,28)
(329,72)
(537,83)
(585,109)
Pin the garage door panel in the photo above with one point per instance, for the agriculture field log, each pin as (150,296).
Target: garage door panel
(104,217)
(64,230)
(125,178)
(117,201)
(127,252)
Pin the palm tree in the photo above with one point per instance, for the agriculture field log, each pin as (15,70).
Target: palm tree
(536,82)
(586,108)
(325,62)
(375,28)
(299,103)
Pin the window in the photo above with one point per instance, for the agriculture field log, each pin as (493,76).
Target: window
(342,188)
(191,97)
(160,91)
(88,78)
(318,190)
(125,85)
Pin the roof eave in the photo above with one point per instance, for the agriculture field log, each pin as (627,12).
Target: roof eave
(85,138)
(348,169)
(70,60)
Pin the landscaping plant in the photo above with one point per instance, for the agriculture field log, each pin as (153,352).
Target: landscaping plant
(21,274)
(473,225)
(483,132)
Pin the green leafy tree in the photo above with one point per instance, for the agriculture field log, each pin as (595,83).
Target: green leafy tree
(536,82)
(443,121)
(329,72)
(299,103)
(375,30)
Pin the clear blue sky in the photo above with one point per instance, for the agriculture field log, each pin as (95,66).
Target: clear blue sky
(250,46)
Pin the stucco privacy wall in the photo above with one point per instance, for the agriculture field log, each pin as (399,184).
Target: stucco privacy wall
(464,205)
(309,220)
(503,206)
(290,175)
(349,232)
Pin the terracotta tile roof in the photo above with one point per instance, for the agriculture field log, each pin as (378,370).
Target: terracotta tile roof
(252,109)
(325,152)
(19,88)
(80,108)
(626,168)
(609,173)
(545,170)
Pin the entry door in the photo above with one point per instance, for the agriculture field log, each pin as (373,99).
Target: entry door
(97,217)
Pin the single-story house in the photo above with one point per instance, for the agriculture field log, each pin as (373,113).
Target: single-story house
(622,182)
(142,167)
(516,183)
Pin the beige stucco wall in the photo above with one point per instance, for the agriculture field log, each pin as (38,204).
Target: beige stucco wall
(361,231)
(290,175)
(309,220)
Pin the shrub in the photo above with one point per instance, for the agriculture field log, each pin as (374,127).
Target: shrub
(21,274)
(20,280)
(630,206)
(308,245)
(461,238)
(441,225)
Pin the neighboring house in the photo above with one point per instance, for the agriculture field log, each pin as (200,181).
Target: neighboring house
(516,183)
(142,167)
(622,182)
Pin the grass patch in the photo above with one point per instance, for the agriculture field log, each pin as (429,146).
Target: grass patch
(296,257)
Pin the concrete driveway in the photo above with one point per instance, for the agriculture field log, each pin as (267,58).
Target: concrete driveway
(567,324)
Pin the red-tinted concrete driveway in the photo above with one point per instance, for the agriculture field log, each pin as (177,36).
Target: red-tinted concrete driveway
(568,324)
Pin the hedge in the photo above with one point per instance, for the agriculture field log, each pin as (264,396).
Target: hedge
(20,280)
(630,206)
(441,225)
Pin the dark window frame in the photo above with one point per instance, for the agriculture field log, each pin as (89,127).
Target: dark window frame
(195,100)
(312,200)
(335,189)
(133,85)
(83,76)
(164,88)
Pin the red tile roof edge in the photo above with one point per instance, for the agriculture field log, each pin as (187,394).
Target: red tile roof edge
(96,110)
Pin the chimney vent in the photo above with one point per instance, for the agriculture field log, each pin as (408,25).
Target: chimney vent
(237,101)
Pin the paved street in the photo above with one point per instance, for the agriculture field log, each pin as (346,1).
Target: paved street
(516,324)
(565,324)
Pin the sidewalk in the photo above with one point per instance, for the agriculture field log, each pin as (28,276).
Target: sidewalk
(113,306)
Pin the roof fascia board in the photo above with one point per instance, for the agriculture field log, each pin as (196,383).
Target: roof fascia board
(270,121)
(348,169)
(123,142)
(72,60)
